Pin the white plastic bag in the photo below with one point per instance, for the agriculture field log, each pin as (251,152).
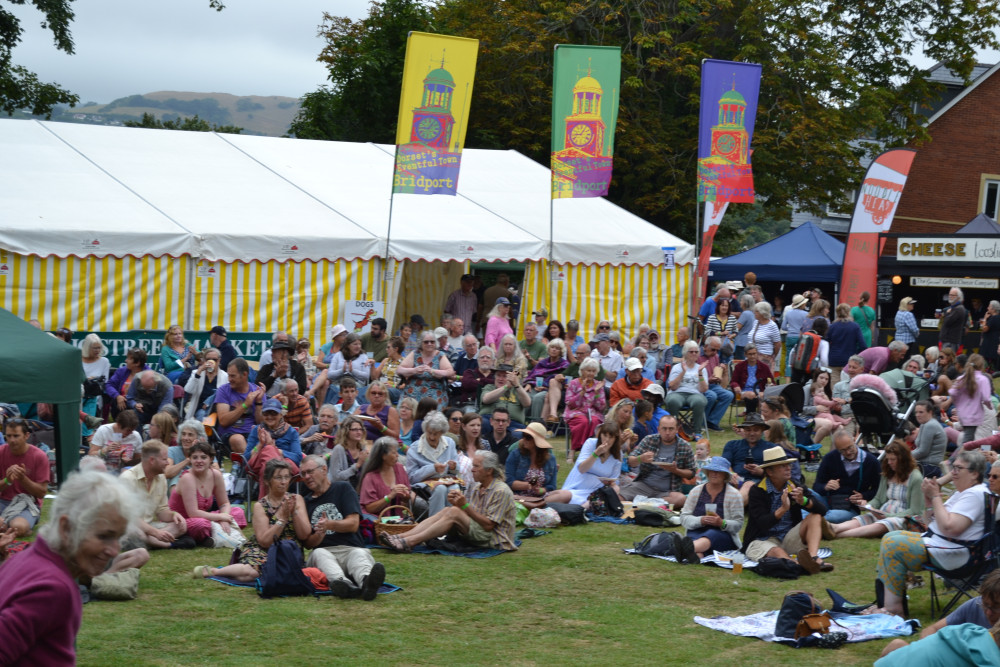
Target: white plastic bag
(227,539)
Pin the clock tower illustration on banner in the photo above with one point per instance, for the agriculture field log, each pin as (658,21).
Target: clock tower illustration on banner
(432,120)
(583,167)
(729,159)
(438,73)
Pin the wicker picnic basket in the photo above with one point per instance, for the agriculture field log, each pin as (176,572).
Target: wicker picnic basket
(393,528)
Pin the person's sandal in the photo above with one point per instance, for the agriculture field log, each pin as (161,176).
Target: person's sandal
(394,542)
(807,562)
(201,571)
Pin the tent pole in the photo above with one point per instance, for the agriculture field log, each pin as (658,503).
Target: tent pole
(189,300)
(388,229)
(550,306)
(697,269)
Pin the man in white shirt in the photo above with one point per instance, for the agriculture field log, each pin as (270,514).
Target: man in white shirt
(611,360)
(161,527)
(456,334)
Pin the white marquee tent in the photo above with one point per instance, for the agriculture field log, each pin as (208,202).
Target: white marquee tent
(110,229)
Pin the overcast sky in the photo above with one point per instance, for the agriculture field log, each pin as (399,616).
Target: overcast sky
(253,47)
(126,47)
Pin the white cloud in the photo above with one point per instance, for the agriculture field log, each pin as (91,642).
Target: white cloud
(124,47)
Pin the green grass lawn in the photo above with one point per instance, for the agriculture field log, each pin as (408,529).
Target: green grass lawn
(571,597)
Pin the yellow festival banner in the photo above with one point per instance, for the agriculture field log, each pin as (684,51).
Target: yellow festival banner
(433,112)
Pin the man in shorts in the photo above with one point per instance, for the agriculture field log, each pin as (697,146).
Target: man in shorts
(25,470)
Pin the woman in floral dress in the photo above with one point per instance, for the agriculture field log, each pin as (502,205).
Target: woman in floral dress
(277,516)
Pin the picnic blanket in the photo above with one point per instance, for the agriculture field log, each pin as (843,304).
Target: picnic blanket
(480,553)
(858,628)
(383,590)
(724,558)
(608,519)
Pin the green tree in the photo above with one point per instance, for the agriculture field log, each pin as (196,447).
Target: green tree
(21,88)
(365,62)
(834,72)
(190,124)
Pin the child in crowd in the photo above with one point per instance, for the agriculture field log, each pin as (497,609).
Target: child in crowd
(643,419)
(702,455)
(348,399)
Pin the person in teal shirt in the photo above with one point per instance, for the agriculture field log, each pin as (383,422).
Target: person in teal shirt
(951,646)
(864,315)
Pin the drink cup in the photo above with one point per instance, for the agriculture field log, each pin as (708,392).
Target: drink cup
(710,509)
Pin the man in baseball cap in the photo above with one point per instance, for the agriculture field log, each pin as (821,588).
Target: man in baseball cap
(219,338)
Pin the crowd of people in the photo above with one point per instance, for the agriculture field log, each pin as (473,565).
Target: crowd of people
(452,426)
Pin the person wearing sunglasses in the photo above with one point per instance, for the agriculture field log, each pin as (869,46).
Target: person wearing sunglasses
(953,524)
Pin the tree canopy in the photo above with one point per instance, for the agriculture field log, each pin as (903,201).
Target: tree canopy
(21,88)
(838,83)
(190,124)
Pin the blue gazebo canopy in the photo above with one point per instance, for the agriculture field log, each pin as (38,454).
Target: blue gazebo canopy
(805,254)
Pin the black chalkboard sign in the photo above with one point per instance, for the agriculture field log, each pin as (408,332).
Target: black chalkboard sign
(885,291)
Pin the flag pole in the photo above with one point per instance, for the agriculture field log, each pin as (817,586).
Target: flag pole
(388,230)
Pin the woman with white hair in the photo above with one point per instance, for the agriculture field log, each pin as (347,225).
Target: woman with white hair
(189,432)
(97,370)
(509,352)
(40,605)
(765,335)
(688,383)
(585,405)
(432,458)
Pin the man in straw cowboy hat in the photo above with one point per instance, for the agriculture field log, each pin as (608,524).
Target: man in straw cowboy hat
(783,518)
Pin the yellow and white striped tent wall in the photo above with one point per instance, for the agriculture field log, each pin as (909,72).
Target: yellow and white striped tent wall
(95,293)
(628,295)
(423,287)
(307,298)
(303,298)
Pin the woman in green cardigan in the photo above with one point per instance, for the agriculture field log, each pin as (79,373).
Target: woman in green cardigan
(898,496)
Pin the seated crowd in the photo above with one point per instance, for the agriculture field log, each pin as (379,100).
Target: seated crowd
(453,429)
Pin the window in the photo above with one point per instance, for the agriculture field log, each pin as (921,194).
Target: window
(990,192)
(842,207)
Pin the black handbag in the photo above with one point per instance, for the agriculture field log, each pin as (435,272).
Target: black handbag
(93,387)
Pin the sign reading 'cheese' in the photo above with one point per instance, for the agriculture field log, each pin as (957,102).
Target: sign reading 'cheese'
(935,249)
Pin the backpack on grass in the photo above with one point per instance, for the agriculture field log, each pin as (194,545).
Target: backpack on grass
(282,575)
(656,544)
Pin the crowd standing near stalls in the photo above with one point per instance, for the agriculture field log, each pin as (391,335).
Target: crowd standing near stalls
(453,424)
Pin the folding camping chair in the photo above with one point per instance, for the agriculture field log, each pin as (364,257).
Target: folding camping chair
(984,557)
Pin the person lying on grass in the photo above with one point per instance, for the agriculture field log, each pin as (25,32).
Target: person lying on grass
(484,520)
(279,515)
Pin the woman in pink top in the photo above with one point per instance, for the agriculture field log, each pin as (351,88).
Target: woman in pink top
(40,606)
(384,481)
(969,394)
(497,325)
(198,489)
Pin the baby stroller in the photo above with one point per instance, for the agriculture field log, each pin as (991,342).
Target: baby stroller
(909,389)
(876,408)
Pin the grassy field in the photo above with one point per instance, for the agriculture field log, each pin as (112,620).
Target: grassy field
(571,597)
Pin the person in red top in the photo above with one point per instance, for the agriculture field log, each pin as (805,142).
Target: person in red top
(631,385)
(25,471)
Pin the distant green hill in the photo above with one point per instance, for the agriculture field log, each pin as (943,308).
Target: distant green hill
(269,116)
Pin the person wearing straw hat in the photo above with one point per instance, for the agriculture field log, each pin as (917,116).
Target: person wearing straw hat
(792,320)
(713,513)
(776,522)
(531,467)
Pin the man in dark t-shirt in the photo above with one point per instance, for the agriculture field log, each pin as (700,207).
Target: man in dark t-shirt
(338,550)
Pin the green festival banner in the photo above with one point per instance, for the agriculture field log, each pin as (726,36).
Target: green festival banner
(585,94)
(433,112)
